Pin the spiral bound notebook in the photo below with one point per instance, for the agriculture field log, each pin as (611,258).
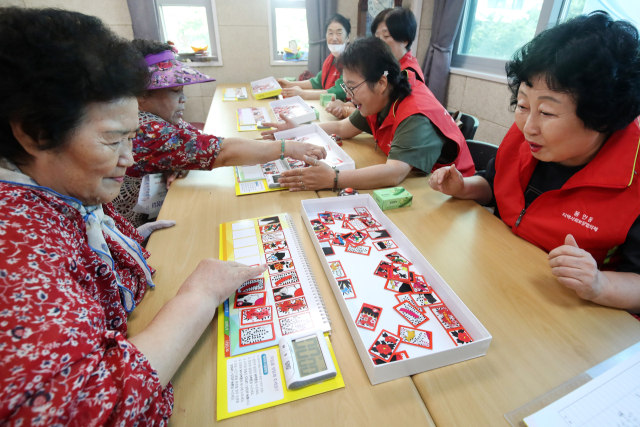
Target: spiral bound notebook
(283,300)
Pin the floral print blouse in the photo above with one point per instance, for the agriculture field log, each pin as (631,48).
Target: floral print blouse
(64,354)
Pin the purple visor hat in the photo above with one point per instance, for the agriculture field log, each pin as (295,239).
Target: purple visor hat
(167,71)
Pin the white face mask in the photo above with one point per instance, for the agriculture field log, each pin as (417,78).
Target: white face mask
(337,49)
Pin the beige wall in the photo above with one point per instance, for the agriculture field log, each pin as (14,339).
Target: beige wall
(244,39)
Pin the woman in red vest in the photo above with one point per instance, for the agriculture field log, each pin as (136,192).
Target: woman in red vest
(396,27)
(410,126)
(329,78)
(565,177)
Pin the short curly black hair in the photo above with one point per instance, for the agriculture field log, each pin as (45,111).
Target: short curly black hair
(150,47)
(592,57)
(54,64)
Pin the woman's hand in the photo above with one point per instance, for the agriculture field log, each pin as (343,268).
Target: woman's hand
(284,83)
(215,280)
(447,180)
(288,92)
(303,151)
(288,124)
(576,269)
(336,107)
(146,229)
(171,176)
(316,177)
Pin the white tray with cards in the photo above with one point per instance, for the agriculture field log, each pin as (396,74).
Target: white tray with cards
(295,108)
(369,289)
(314,134)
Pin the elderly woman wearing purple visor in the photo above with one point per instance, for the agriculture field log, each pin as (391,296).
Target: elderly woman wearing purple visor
(166,143)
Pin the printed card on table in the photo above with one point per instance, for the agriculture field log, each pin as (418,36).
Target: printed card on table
(326,218)
(271,228)
(382,270)
(403,297)
(411,313)
(362,211)
(445,317)
(277,255)
(400,355)
(347,289)
(385,345)
(276,245)
(397,286)
(249,300)
(338,240)
(397,258)
(460,337)
(324,235)
(252,315)
(378,234)
(400,272)
(421,300)
(291,306)
(417,337)
(257,334)
(337,270)
(282,279)
(418,284)
(338,216)
(287,292)
(280,266)
(272,237)
(252,285)
(359,249)
(269,220)
(357,225)
(292,324)
(356,238)
(368,317)
(383,245)
(327,249)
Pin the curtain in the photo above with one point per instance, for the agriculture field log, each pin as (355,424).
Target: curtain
(318,11)
(446,20)
(144,19)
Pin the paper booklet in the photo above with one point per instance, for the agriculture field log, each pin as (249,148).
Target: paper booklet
(235,94)
(250,119)
(153,191)
(284,299)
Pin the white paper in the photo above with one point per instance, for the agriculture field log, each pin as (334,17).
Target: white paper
(251,187)
(238,234)
(253,380)
(609,400)
(247,241)
(251,260)
(153,191)
(250,173)
(242,224)
(243,252)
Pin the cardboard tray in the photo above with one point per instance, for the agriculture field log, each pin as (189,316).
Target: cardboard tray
(269,93)
(372,291)
(319,137)
(309,116)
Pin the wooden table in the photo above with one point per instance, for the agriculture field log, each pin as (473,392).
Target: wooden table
(543,334)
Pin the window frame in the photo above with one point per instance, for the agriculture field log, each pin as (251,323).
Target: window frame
(274,57)
(493,69)
(212,23)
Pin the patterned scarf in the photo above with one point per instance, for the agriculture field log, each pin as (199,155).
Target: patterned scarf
(97,224)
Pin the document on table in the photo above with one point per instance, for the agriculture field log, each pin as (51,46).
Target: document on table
(609,400)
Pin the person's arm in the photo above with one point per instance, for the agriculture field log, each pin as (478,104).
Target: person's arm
(576,269)
(322,176)
(304,84)
(178,325)
(243,151)
(309,94)
(343,128)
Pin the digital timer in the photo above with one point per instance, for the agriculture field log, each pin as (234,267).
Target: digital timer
(306,359)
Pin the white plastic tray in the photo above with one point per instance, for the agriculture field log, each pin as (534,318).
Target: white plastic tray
(314,134)
(370,289)
(308,116)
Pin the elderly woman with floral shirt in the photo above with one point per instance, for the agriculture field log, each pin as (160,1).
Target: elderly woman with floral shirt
(166,143)
(71,268)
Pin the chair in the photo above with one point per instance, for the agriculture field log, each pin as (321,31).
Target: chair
(481,152)
(469,123)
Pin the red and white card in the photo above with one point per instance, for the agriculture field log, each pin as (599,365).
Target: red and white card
(445,317)
(368,317)
(384,245)
(249,316)
(411,313)
(358,249)
(385,345)
(417,337)
(257,334)
(460,337)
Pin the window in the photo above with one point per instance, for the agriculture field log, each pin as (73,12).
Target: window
(492,30)
(287,21)
(190,25)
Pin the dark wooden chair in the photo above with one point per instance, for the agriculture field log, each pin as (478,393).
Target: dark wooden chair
(481,153)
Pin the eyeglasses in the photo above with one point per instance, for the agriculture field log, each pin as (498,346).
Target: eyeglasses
(350,90)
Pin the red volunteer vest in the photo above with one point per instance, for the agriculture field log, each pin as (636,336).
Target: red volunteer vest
(597,205)
(330,73)
(422,101)
(409,62)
